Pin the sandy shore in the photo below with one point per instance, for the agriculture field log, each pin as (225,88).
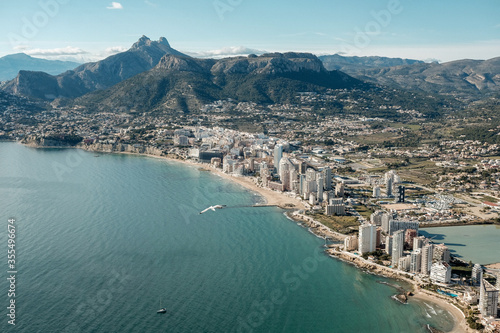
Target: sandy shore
(493,266)
(272,198)
(460,323)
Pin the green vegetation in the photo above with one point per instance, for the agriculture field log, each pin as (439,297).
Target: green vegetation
(363,211)
(342,224)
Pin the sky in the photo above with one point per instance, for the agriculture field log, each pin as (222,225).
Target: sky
(89,30)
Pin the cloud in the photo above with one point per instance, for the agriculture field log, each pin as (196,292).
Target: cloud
(152,4)
(114,50)
(21,47)
(115,5)
(68,50)
(230,51)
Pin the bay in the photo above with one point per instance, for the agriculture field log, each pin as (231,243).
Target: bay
(102,240)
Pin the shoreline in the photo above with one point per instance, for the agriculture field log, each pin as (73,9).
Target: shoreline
(278,199)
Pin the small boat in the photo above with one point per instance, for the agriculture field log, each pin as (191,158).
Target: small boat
(162,310)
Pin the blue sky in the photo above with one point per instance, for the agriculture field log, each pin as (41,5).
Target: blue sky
(89,30)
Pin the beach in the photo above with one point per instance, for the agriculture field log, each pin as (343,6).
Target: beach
(460,323)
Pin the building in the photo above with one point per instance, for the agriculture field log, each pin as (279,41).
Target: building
(441,253)
(410,235)
(388,186)
(418,242)
(327,175)
(488,299)
(416,261)
(376,192)
(339,190)
(278,154)
(367,238)
(181,140)
(386,221)
(320,182)
(350,243)
(335,207)
(401,194)
(404,263)
(396,225)
(397,247)
(425,266)
(388,245)
(440,272)
(477,274)
(377,217)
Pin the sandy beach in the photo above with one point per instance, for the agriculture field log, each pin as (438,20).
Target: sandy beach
(493,266)
(271,197)
(460,323)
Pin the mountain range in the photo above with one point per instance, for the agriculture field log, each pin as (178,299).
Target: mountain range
(11,64)
(466,79)
(185,83)
(142,56)
(151,75)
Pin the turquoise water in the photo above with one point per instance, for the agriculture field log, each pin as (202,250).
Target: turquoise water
(477,243)
(102,240)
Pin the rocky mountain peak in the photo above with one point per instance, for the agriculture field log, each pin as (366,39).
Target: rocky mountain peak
(143,41)
(163,41)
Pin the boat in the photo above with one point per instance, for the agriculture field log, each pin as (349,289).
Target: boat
(162,310)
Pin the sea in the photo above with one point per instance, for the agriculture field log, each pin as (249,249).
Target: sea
(102,241)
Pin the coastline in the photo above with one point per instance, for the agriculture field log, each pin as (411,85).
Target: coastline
(273,198)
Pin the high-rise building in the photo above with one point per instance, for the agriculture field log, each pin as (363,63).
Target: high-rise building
(327,175)
(477,274)
(335,207)
(410,234)
(339,190)
(441,253)
(440,272)
(284,172)
(376,217)
(386,222)
(401,194)
(350,243)
(367,238)
(278,154)
(396,225)
(388,245)
(404,263)
(418,242)
(397,247)
(388,186)
(319,186)
(376,192)
(416,261)
(425,266)
(488,299)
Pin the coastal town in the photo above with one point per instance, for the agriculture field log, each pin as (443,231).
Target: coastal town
(368,201)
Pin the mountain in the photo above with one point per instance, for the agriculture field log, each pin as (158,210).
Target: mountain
(353,65)
(11,64)
(184,83)
(465,79)
(142,56)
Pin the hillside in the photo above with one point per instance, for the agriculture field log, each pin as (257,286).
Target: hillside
(142,56)
(11,64)
(186,84)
